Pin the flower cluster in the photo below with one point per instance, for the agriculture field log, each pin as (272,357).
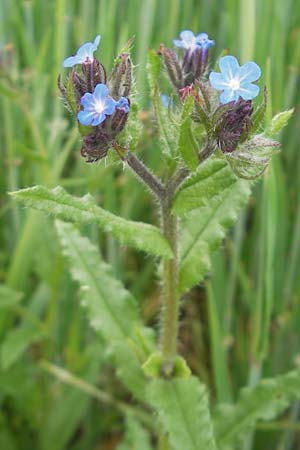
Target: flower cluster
(222,101)
(101,105)
(192,65)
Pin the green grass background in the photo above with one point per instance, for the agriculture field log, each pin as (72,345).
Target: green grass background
(242,325)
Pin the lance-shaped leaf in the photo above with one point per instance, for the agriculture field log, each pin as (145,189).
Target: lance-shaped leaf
(203,230)
(84,210)
(182,408)
(263,402)
(111,309)
(186,141)
(209,181)
(279,122)
(168,132)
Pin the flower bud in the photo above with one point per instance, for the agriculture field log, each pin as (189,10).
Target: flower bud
(95,145)
(120,80)
(233,124)
(172,66)
(94,73)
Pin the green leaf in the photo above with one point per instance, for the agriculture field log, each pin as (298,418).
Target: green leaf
(16,343)
(167,131)
(211,178)
(251,158)
(182,408)
(111,309)
(204,229)
(186,142)
(136,437)
(84,210)
(9,297)
(263,402)
(279,122)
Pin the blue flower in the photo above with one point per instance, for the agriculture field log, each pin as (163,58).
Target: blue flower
(97,106)
(85,53)
(123,104)
(165,100)
(235,81)
(191,42)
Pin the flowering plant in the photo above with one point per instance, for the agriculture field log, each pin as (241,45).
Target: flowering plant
(213,141)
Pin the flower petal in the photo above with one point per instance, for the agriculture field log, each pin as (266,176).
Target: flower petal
(250,71)
(248,91)
(110,106)
(101,91)
(85,118)
(229,95)
(70,61)
(188,37)
(97,119)
(203,41)
(178,43)
(229,66)
(123,104)
(86,51)
(217,81)
(97,41)
(202,36)
(86,99)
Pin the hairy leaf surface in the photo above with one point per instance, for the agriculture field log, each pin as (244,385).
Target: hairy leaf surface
(182,408)
(111,309)
(263,402)
(186,142)
(84,210)
(204,228)
(167,130)
(210,179)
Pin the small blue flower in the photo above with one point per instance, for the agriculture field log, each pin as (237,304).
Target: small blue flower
(85,53)
(97,106)
(165,100)
(123,104)
(235,81)
(191,42)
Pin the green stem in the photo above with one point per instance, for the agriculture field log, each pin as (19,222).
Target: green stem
(170,296)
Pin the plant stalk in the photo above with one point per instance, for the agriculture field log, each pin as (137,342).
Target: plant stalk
(170,295)
(145,175)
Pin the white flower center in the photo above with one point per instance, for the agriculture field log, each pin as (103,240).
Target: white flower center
(234,84)
(99,106)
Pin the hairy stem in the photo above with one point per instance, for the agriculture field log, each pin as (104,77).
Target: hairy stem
(170,296)
(145,175)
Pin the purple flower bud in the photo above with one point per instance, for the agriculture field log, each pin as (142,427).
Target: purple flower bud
(172,66)
(233,124)
(94,73)
(95,145)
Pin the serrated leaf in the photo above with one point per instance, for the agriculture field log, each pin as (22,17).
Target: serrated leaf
(204,229)
(182,408)
(84,210)
(111,309)
(212,177)
(136,437)
(263,402)
(279,122)
(251,158)
(186,142)
(168,133)
(16,343)
(9,297)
